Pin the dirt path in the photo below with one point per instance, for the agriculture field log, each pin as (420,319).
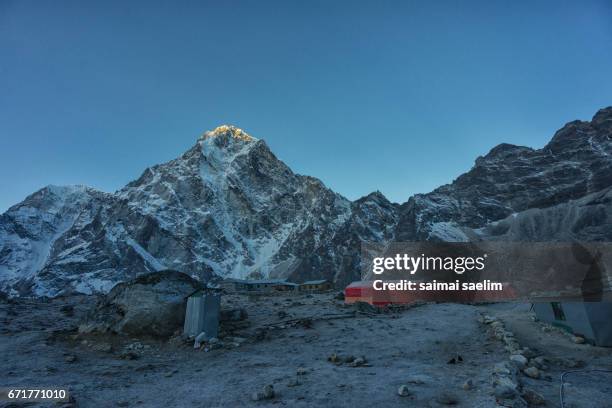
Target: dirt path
(583,389)
(413,347)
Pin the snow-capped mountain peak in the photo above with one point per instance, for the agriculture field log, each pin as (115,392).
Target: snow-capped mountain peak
(229,207)
(228,132)
(221,146)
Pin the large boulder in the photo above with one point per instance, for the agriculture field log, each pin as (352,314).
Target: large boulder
(152,304)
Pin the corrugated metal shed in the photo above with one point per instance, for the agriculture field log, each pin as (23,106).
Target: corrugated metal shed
(202,314)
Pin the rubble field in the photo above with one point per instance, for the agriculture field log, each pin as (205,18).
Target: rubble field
(306,350)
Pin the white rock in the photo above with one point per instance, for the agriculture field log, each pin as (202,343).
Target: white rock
(268,391)
(505,388)
(403,391)
(199,339)
(532,372)
(519,360)
(502,368)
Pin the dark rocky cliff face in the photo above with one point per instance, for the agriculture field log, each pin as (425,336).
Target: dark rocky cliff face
(229,207)
(510,179)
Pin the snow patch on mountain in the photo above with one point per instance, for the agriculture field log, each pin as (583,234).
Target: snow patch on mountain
(228,207)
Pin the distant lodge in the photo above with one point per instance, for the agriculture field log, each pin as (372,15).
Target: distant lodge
(271,285)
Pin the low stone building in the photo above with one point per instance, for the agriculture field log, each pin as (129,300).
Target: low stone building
(259,285)
(234,285)
(285,286)
(320,285)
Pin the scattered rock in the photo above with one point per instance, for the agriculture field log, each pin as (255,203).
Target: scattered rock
(301,371)
(532,372)
(266,393)
(71,403)
(503,369)
(306,323)
(70,358)
(235,339)
(539,363)
(103,347)
(486,319)
(347,359)
(519,360)
(358,362)
(334,358)
(578,339)
(293,382)
(533,398)
(366,308)
(447,398)
(529,353)
(468,385)
(170,373)
(199,339)
(129,355)
(404,391)
(136,346)
(455,360)
(504,392)
(505,388)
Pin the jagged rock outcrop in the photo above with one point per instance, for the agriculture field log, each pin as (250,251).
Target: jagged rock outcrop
(509,179)
(229,207)
(39,230)
(587,219)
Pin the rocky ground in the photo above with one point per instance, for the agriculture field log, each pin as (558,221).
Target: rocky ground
(304,351)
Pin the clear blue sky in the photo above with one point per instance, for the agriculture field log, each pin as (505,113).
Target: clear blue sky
(399,96)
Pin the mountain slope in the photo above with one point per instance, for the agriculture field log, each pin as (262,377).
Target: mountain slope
(509,179)
(32,232)
(229,207)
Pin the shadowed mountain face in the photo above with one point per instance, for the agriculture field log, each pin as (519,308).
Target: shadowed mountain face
(229,207)
(510,179)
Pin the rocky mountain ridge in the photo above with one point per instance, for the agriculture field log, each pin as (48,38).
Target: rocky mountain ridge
(229,207)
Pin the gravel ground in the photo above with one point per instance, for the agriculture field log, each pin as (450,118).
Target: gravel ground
(409,347)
